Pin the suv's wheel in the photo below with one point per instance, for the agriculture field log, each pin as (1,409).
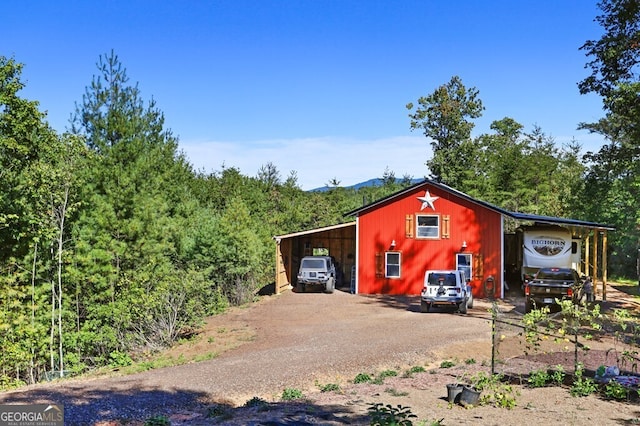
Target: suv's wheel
(425,306)
(463,307)
(330,286)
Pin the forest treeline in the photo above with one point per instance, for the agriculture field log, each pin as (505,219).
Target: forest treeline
(112,246)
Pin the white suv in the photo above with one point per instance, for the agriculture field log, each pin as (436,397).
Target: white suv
(317,270)
(446,288)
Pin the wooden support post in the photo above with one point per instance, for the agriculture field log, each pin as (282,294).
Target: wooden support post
(604,265)
(587,266)
(595,258)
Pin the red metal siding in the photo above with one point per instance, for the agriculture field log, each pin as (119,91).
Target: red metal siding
(468,222)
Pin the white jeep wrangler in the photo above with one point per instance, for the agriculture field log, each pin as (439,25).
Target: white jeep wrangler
(317,270)
(446,288)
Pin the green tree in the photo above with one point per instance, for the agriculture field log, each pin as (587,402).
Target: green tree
(614,68)
(38,194)
(127,235)
(237,253)
(613,179)
(445,117)
(499,167)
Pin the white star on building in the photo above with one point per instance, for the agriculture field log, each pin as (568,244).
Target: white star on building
(427,201)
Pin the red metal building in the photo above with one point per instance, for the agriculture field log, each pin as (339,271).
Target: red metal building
(427,226)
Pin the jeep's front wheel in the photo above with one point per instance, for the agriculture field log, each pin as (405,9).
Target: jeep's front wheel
(330,285)
(463,307)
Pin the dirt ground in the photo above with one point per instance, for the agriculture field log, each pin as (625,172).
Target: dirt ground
(314,345)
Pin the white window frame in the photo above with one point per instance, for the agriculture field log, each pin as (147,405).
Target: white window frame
(467,267)
(388,264)
(420,228)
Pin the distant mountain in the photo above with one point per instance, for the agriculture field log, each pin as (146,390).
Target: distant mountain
(370,182)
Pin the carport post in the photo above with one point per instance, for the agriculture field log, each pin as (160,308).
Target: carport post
(638,266)
(604,265)
(595,262)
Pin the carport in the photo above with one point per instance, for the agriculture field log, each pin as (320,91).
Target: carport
(338,241)
(593,237)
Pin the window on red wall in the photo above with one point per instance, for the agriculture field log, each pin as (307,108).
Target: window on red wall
(427,226)
(463,263)
(392,264)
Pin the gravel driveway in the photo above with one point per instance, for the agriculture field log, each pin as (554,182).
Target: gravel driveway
(300,339)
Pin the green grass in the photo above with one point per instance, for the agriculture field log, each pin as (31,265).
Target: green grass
(627,286)
(205,356)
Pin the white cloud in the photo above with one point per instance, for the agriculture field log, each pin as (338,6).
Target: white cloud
(316,160)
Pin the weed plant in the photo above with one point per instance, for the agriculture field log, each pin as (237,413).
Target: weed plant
(388,415)
(383,375)
(558,375)
(413,370)
(362,378)
(538,379)
(159,420)
(615,390)
(495,391)
(582,386)
(329,387)
(395,392)
(257,403)
(290,394)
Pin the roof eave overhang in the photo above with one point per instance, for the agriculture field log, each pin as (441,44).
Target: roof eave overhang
(279,238)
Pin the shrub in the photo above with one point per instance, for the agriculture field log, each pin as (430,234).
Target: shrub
(119,359)
(217,411)
(538,379)
(502,395)
(383,375)
(256,402)
(557,376)
(413,370)
(387,415)
(7,382)
(330,387)
(582,386)
(291,394)
(447,364)
(362,378)
(615,390)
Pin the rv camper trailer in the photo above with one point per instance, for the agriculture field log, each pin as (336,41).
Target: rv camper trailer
(538,246)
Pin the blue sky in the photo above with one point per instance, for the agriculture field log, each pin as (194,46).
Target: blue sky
(318,87)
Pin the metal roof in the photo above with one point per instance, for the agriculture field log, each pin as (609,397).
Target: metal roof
(513,215)
(314,231)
